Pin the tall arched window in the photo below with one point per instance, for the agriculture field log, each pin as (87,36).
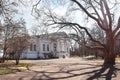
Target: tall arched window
(43,47)
(47,47)
(62,45)
(34,47)
(55,46)
(30,47)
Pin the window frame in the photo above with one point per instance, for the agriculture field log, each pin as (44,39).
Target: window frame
(43,47)
(48,48)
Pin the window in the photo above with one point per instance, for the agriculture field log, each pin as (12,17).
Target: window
(62,46)
(67,50)
(48,47)
(30,47)
(55,46)
(43,47)
(34,47)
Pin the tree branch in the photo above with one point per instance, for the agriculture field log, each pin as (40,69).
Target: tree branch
(104,22)
(84,10)
(95,48)
(117,28)
(118,34)
(108,13)
(87,32)
(35,6)
(94,18)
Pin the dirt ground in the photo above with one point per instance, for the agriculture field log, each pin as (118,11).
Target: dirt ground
(66,69)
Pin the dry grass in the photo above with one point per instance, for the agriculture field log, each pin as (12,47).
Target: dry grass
(10,67)
(66,69)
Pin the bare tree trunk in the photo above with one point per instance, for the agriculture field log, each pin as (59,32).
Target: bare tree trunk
(3,58)
(17,61)
(109,57)
(17,58)
(4,54)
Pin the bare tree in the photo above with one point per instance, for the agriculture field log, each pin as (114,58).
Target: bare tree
(80,42)
(15,39)
(16,46)
(12,29)
(101,12)
(9,27)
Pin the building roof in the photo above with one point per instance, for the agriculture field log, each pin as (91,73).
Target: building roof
(53,35)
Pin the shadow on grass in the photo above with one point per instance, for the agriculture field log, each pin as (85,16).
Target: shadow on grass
(107,72)
(95,72)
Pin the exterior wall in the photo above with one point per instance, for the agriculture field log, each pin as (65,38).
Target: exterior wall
(30,56)
(62,48)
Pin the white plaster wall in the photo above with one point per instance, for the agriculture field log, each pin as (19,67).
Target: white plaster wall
(39,47)
(32,56)
(46,42)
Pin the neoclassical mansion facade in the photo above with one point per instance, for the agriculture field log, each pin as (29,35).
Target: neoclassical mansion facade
(48,46)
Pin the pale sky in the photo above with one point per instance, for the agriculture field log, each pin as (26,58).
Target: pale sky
(25,12)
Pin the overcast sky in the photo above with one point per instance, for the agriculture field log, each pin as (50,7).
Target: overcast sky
(25,12)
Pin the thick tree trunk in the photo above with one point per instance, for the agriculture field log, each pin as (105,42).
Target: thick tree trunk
(109,59)
(110,55)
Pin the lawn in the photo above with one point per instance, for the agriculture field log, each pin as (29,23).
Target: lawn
(10,67)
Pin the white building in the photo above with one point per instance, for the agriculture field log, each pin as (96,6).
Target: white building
(48,46)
